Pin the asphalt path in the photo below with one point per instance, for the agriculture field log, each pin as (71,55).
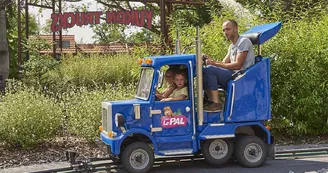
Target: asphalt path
(298,165)
(313,164)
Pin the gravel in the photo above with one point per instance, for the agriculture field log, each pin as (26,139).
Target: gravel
(49,151)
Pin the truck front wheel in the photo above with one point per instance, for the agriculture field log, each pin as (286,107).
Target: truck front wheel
(218,151)
(138,157)
(251,151)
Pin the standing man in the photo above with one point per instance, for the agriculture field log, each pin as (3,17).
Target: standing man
(240,56)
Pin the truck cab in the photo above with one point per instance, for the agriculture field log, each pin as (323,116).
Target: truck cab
(133,131)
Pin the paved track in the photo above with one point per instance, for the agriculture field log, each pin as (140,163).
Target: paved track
(301,165)
(295,165)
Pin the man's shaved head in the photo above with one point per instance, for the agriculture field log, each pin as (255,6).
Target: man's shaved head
(233,22)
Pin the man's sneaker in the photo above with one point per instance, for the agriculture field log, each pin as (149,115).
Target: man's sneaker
(214,107)
(207,102)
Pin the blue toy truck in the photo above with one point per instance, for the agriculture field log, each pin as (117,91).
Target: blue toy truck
(135,130)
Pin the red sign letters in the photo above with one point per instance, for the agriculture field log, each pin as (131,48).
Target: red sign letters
(142,18)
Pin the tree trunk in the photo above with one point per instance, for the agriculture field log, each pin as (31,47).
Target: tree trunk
(4,51)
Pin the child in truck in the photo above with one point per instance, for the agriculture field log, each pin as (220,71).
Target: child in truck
(169,79)
(181,92)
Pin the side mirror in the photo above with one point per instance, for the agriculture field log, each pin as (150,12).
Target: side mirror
(160,78)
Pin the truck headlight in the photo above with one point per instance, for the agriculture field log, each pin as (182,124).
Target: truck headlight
(119,120)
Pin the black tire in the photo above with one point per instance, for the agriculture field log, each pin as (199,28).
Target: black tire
(138,157)
(217,151)
(250,151)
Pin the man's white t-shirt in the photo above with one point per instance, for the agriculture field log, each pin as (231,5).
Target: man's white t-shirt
(243,44)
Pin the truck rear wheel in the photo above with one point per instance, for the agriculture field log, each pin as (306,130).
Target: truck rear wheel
(251,151)
(218,151)
(138,157)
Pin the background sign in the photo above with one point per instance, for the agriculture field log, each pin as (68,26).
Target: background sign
(141,18)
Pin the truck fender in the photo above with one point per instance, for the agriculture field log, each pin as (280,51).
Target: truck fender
(138,131)
(251,131)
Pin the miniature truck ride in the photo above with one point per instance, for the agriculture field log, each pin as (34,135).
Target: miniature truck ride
(133,131)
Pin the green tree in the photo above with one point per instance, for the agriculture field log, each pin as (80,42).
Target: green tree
(105,33)
(143,36)
(197,15)
(12,36)
(287,9)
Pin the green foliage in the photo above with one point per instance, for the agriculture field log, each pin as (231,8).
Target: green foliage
(83,107)
(287,10)
(36,68)
(78,84)
(92,72)
(28,117)
(145,36)
(299,77)
(12,36)
(105,33)
(144,50)
(197,15)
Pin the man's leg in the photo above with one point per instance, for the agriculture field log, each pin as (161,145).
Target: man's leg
(215,96)
(214,76)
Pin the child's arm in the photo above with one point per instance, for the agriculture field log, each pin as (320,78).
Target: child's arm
(169,91)
(181,97)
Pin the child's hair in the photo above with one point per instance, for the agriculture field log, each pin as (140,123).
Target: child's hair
(172,70)
(181,72)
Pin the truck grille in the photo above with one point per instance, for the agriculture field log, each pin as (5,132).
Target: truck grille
(107,116)
(104,119)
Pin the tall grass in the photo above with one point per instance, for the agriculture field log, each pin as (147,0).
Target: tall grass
(94,71)
(83,107)
(28,117)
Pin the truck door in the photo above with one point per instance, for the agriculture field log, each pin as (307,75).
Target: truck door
(175,118)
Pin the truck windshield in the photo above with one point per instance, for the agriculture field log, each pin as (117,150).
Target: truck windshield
(144,86)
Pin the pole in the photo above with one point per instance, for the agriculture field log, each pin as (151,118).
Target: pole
(177,44)
(19,27)
(60,31)
(27,54)
(199,67)
(54,34)
(163,31)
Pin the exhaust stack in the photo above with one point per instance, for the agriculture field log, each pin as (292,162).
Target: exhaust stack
(199,82)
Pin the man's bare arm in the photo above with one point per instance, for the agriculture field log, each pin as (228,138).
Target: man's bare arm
(240,58)
(227,57)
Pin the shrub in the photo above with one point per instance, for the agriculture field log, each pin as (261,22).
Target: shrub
(83,107)
(299,77)
(35,69)
(94,71)
(86,71)
(27,118)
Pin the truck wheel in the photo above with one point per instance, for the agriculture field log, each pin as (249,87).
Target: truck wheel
(218,151)
(138,157)
(251,151)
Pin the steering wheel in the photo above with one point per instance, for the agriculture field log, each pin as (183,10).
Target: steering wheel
(204,57)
